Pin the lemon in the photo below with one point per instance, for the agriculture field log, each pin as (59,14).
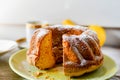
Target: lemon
(100,32)
(68,22)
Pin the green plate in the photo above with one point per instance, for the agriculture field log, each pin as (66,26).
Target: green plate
(20,66)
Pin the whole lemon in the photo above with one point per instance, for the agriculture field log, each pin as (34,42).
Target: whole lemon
(68,22)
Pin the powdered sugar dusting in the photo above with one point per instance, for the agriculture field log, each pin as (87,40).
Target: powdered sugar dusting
(42,32)
(77,52)
(61,27)
(35,39)
(84,36)
(92,34)
(97,57)
(75,39)
(71,38)
(83,61)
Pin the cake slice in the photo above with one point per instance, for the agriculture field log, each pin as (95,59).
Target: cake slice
(40,51)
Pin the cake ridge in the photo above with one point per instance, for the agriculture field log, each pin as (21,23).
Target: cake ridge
(42,32)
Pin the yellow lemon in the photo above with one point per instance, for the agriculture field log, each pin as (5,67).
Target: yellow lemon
(68,22)
(100,32)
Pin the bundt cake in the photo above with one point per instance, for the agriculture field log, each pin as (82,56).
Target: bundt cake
(76,47)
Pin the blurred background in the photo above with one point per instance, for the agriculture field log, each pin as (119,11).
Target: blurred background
(14,14)
(102,16)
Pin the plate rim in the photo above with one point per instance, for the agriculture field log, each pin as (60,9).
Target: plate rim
(24,76)
(12,67)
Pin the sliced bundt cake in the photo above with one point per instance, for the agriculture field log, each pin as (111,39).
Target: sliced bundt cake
(75,46)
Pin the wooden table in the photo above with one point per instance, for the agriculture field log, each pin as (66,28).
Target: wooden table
(7,74)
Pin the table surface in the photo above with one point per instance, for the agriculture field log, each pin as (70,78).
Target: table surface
(7,74)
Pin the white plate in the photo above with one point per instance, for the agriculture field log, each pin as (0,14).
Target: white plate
(7,45)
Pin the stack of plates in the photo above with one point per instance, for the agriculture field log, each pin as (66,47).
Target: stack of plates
(6,46)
